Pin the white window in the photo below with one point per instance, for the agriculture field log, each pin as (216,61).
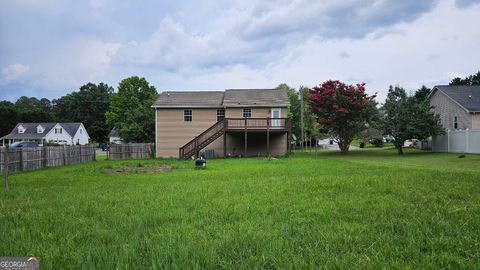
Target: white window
(58,130)
(220,114)
(40,129)
(80,131)
(247,112)
(21,129)
(187,115)
(455,122)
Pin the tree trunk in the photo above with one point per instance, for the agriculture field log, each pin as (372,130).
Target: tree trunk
(343,147)
(400,150)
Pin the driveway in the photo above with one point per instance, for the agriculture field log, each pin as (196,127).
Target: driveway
(100,152)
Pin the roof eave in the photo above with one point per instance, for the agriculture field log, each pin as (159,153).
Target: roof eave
(185,106)
(456,102)
(256,105)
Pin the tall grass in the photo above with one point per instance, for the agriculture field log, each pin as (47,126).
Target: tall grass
(370,209)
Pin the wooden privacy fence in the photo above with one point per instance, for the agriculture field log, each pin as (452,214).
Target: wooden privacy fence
(131,151)
(34,158)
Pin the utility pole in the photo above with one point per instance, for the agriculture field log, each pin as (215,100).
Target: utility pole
(301,116)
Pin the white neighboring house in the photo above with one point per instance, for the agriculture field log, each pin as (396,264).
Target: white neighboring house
(114,136)
(60,133)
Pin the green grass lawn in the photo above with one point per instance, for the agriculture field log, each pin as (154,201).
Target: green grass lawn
(370,209)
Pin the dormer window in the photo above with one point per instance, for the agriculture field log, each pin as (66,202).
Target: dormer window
(21,129)
(40,129)
(58,130)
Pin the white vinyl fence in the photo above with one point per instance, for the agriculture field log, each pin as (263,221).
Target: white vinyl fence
(458,141)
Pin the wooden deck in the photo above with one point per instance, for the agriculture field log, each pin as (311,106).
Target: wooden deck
(258,124)
(244,125)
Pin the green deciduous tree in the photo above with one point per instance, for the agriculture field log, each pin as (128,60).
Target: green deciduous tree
(30,109)
(8,116)
(469,80)
(130,110)
(343,110)
(309,117)
(88,106)
(406,117)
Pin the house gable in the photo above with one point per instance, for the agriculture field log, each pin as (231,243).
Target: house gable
(21,129)
(81,136)
(466,96)
(58,135)
(40,129)
(450,111)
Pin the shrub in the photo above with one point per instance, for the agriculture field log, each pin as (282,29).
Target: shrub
(377,142)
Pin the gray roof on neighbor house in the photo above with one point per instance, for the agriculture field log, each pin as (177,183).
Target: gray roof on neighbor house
(467,96)
(114,133)
(227,98)
(31,130)
(255,98)
(71,128)
(190,99)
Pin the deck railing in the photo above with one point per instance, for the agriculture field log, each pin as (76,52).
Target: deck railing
(258,123)
(232,124)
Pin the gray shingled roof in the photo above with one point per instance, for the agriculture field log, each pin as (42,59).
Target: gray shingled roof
(71,128)
(183,99)
(114,133)
(227,98)
(467,96)
(31,130)
(255,98)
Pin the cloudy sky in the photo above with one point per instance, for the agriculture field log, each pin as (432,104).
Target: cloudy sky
(51,47)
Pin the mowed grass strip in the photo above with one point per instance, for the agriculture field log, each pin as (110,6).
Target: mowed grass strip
(370,209)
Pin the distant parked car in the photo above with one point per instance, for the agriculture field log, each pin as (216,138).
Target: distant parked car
(388,138)
(23,144)
(106,146)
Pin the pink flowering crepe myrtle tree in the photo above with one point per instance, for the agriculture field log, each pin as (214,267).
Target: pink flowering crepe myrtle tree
(343,110)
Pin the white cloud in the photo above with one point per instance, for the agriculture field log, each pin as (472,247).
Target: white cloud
(14,72)
(97,6)
(230,44)
(81,61)
(453,74)
(423,51)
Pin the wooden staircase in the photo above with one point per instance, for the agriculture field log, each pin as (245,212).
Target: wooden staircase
(194,146)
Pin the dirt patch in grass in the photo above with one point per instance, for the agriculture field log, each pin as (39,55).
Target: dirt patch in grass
(139,169)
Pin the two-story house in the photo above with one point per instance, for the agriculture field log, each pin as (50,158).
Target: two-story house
(457,105)
(234,122)
(459,110)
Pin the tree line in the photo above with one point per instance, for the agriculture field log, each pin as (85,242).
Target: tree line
(334,109)
(97,106)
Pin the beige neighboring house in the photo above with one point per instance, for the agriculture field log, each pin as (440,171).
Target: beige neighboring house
(457,105)
(459,110)
(234,122)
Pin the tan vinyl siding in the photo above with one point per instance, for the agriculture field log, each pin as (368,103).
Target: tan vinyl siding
(476,121)
(448,109)
(173,132)
(257,112)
